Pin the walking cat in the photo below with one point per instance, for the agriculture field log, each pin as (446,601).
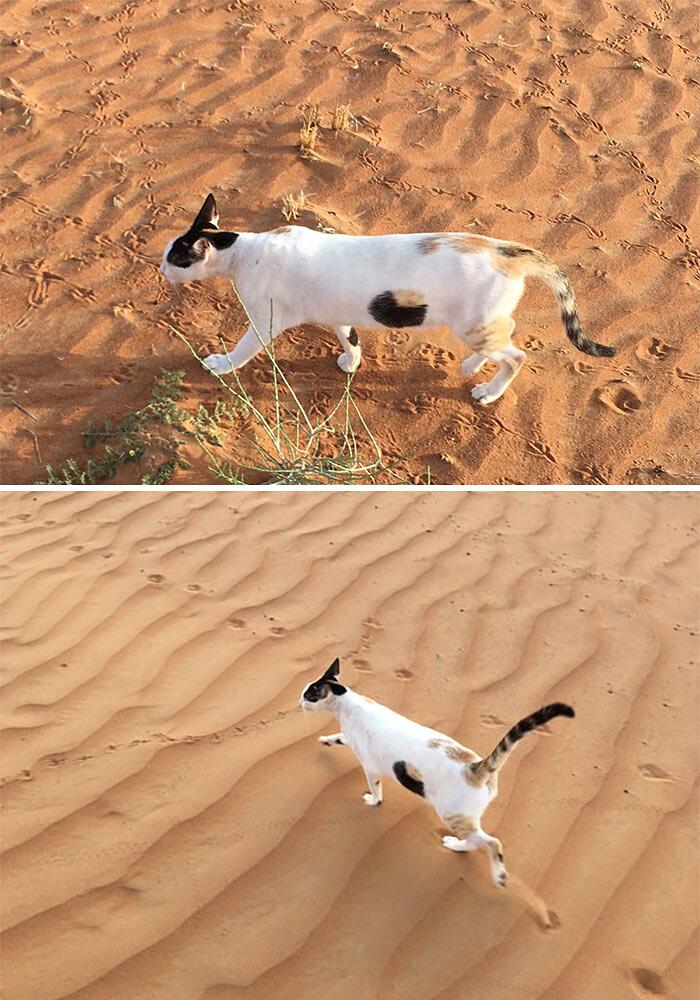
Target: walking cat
(294,275)
(456,781)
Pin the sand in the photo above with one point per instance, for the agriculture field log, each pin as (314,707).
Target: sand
(571,127)
(172,830)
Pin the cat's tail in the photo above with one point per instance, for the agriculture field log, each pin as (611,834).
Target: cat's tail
(531,263)
(483,768)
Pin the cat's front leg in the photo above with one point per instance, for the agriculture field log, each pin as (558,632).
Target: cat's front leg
(349,360)
(252,341)
(334,740)
(374,796)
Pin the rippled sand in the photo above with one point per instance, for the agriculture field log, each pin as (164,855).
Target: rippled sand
(172,829)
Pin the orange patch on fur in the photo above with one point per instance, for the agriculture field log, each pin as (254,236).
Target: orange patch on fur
(413,773)
(469,243)
(429,244)
(405,297)
(454,750)
(518,267)
(461,825)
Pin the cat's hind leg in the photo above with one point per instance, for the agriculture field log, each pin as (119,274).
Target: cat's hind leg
(492,342)
(334,740)
(374,796)
(349,360)
(494,849)
(470,837)
(465,830)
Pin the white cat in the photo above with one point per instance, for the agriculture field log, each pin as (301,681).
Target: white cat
(457,783)
(294,275)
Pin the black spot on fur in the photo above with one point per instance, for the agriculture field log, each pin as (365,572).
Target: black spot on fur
(182,252)
(222,241)
(353,338)
(386,310)
(405,779)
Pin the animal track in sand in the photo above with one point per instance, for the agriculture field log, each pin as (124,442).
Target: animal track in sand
(9,384)
(492,721)
(125,373)
(362,666)
(654,348)
(156,578)
(437,357)
(647,982)
(235,623)
(398,337)
(403,675)
(620,396)
(542,450)
(654,772)
(421,403)
(319,404)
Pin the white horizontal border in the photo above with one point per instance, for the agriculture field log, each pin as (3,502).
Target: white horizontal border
(347,489)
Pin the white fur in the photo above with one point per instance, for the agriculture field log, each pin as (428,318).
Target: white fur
(297,275)
(379,737)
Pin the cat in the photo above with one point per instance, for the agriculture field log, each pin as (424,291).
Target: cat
(294,275)
(456,781)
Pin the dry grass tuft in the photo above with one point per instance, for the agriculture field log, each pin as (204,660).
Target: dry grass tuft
(308,133)
(293,205)
(343,119)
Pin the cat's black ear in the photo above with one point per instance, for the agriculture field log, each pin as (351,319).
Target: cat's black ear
(208,214)
(333,671)
(337,688)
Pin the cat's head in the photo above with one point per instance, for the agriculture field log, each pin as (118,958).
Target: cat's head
(196,254)
(320,694)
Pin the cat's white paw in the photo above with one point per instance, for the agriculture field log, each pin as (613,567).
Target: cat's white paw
(330,741)
(455,844)
(348,363)
(217,364)
(485,393)
(371,800)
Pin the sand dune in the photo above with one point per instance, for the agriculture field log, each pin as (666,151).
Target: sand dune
(567,126)
(173,830)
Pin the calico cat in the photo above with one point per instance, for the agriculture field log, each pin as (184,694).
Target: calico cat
(456,781)
(294,275)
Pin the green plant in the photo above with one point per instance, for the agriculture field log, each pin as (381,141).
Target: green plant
(292,448)
(152,434)
(338,448)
